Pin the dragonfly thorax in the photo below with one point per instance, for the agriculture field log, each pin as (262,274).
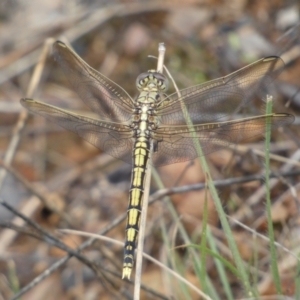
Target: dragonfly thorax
(152,81)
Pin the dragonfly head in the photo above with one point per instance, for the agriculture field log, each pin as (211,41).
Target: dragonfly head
(152,81)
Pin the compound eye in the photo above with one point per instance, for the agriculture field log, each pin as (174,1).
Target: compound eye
(164,84)
(142,80)
(162,81)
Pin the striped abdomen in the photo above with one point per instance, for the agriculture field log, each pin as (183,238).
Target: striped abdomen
(136,193)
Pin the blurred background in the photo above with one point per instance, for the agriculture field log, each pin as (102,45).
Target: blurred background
(204,40)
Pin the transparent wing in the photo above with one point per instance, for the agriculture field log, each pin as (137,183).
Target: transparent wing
(179,143)
(112,138)
(102,95)
(219,99)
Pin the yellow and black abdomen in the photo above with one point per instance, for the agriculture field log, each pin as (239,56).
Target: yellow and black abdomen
(136,193)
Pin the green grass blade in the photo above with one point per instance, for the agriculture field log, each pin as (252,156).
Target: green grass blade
(297,282)
(203,244)
(194,254)
(243,275)
(220,264)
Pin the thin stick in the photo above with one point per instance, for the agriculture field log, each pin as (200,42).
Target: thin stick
(14,142)
(161,57)
(274,263)
(141,236)
(43,195)
(51,239)
(63,260)
(121,244)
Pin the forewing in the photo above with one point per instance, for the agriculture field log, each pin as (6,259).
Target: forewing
(219,99)
(112,138)
(179,143)
(102,95)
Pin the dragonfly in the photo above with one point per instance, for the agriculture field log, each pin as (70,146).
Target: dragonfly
(127,126)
